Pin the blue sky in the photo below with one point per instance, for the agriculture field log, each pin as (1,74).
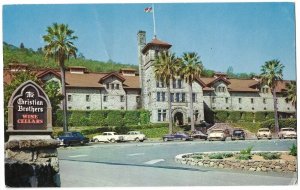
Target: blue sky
(241,35)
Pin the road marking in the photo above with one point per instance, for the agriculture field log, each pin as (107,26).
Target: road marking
(76,156)
(154,161)
(136,154)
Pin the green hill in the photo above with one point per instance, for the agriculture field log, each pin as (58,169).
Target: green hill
(36,59)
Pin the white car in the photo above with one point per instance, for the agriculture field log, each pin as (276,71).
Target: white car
(216,134)
(108,137)
(264,133)
(134,136)
(287,133)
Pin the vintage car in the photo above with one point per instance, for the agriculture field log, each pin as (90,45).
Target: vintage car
(264,133)
(134,136)
(71,138)
(198,135)
(216,134)
(238,134)
(177,136)
(287,133)
(108,137)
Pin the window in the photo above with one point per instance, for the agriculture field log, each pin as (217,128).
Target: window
(179,83)
(252,100)
(226,100)
(227,108)
(137,99)
(252,108)
(240,100)
(240,108)
(177,97)
(264,100)
(88,107)
(105,108)
(265,108)
(172,97)
(88,98)
(157,84)
(286,100)
(112,86)
(223,89)
(164,115)
(117,86)
(174,83)
(163,96)
(159,115)
(194,97)
(69,108)
(104,98)
(158,96)
(265,90)
(213,100)
(183,97)
(122,98)
(122,108)
(69,98)
(107,86)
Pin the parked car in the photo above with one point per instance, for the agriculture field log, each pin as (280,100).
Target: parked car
(134,136)
(108,137)
(238,134)
(287,133)
(216,134)
(199,135)
(177,136)
(71,138)
(264,133)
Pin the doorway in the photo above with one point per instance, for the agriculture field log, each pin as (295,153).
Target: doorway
(178,118)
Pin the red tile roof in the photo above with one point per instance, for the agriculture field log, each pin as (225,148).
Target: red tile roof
(156,42)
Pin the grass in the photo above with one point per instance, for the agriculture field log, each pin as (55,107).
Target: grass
(250,126)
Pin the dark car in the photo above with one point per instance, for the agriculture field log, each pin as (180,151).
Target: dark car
(71,138)
(177,136)
(199,135)
(238,134)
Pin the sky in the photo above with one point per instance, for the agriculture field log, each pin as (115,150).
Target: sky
(241,35)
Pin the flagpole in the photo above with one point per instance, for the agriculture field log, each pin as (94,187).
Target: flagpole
(153,14)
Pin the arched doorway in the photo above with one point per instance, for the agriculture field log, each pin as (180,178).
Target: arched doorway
(178,118)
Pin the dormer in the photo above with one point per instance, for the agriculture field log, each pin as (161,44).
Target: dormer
(220,74)
(128,72)
(15,67)
(77,69)
(112,81)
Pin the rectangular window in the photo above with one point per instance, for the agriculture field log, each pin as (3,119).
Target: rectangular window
(164,115)
(158,96)
(226,100)
(172,97)
(240,100)
(138,99)
(174,83)
(117,86)
(159,115)
(105,108)
(264,100)
(163,96)
(88,107)
(177,97)
(107,86)
(179,83)
(157,84)
(183,97)
(88,98)
(223,89)
(104,98)
(213,100)
(112,86)
(122,99)
(69,98)
(252,100)
(194,97)
(69,108)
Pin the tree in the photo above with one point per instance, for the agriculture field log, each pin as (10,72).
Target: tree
(52,89)
(230,72)
(59,44)
(22,46)
(192,68)
(166,67)
(292,93)
(271,74)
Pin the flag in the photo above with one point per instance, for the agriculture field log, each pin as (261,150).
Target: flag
(148,10)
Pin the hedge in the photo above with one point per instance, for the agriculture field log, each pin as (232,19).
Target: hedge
(291,122)
(117,118)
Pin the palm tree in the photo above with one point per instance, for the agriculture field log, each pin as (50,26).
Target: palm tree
(192,68)
(165,68)
(59,45)
(271,74)
(291,93)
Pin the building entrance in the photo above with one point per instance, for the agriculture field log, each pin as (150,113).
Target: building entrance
(178,118)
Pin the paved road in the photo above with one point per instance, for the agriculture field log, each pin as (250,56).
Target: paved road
(152,164)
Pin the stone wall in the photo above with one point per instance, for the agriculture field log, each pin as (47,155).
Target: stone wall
(249,165)
(32,163)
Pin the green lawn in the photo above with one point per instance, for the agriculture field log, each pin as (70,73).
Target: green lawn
(250,126)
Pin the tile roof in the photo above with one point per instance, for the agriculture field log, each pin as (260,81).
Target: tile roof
(156,42)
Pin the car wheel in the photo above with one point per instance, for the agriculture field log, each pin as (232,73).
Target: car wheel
(112,140)
(184,139)
(269,138)
(137,139)
(141,140)
(96,140)
(165,139)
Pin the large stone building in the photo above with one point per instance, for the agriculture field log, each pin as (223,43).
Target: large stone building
(131,90)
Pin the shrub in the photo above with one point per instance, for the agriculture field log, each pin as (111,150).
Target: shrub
(215,156)
(291,122)
(248,116)
(293,150)
(197,156)
(227,155)
(145,117)
(244,157)
(260,116)
(247,150)
(269,155)
(131,118)
(221,116)
(115,118)
(234,116)
(98,118)
(79,118)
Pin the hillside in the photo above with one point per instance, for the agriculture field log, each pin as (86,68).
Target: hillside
(36,59)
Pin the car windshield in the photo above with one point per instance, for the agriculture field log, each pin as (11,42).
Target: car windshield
(264,130)
(289,129)
(217,131)
(237,132)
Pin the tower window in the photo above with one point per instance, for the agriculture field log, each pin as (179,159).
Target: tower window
(163,96)
(158,96)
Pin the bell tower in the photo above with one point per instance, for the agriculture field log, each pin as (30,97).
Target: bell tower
(141,38)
